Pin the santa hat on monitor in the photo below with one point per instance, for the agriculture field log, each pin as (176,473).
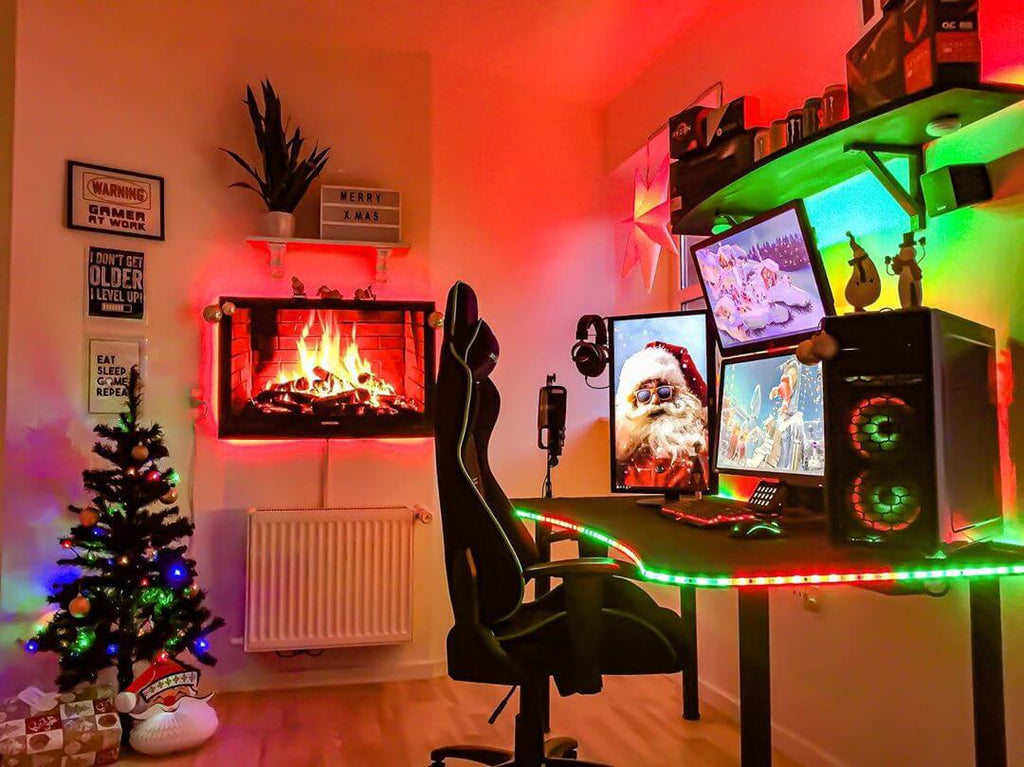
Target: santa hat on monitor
(666,362)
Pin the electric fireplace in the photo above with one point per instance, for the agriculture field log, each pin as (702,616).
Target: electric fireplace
(320,368)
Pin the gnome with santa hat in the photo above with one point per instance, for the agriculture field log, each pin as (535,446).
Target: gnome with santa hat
(661,420)
(166,710)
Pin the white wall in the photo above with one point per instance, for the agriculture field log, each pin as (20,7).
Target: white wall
(491,174)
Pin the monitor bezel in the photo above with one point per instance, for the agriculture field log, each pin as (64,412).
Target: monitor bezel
(817,269)
(712,384)
(802,480)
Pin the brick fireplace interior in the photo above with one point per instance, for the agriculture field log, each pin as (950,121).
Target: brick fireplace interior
(325,368)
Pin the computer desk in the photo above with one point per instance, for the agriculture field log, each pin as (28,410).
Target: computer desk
(660,550)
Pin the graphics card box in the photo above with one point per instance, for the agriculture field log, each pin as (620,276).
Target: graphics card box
(699,174)
(698,128)
(916,44)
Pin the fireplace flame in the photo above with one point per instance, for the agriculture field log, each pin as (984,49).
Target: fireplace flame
(325,371)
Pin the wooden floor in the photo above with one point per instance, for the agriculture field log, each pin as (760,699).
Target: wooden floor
(635,722)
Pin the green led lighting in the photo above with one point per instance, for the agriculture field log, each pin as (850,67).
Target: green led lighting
(815,578)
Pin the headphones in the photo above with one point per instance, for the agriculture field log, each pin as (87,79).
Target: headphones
(590,357)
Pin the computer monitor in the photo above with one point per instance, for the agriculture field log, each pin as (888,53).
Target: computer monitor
(661,396)
(771,419)
(764,281)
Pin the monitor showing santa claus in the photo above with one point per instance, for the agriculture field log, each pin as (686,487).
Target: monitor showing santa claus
(661,377)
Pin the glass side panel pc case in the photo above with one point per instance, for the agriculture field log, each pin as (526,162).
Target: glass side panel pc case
(764,281)
(772,419)
(661,403)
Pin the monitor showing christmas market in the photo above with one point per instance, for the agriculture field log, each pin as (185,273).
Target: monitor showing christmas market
(771,421)
(764,281)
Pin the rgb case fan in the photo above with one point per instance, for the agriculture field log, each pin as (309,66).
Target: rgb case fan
(912,453)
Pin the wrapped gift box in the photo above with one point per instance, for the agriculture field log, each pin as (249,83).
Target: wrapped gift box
(60,729)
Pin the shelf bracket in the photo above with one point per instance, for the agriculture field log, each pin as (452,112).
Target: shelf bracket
(380,272)
(910,199)
(275,258)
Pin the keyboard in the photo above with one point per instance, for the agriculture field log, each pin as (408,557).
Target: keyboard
(709,511)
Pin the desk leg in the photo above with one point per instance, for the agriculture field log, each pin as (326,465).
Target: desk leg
(691,679)
(755,679)
(987,673)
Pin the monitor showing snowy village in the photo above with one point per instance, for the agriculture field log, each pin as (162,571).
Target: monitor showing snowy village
(760,282)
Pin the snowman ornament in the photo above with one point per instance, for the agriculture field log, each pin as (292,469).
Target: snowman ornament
(166,708)
(906,266)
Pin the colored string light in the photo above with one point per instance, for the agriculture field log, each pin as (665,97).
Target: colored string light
(725,581)
(31,646)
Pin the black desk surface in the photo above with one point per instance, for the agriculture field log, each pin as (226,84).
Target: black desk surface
(679,553)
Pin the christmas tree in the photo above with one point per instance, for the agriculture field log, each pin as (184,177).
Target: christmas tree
(134,597)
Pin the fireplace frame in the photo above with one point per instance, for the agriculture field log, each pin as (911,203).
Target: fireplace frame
(232,425)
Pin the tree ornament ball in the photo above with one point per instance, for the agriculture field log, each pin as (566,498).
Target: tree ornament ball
(79,606)
(805,353)
(154,475)
(824,346)
(227,308)
(89,516)
(170,496)
(140,452)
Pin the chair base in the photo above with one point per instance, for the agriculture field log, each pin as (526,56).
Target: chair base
(558,752)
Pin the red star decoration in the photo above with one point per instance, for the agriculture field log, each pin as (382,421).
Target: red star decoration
(649,234)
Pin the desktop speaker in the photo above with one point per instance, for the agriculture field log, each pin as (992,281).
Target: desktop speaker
(955,186)
(911,438)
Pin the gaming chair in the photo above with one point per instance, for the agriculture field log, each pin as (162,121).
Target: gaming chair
(593,623)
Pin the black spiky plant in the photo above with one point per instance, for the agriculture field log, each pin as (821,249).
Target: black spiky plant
(134,595)
(286,175)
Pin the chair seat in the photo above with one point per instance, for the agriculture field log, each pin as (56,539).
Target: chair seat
(637,636)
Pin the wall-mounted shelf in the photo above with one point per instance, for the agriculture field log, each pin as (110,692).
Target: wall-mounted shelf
(276,247)
(845,150)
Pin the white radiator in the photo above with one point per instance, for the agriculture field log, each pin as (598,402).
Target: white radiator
(329,577)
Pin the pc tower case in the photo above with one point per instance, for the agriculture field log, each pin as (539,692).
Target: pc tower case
(912,447)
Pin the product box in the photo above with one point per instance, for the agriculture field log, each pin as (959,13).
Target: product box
(915,45)
(697,128)
(687,131)
(700,174)
(76,729)
(737,116)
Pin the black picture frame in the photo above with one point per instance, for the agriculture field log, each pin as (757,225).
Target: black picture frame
(790,478)
(712,391)
(70,196)
(817,269)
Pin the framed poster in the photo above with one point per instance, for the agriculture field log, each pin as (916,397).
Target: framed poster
(110,361)
(115,201)
(115,281)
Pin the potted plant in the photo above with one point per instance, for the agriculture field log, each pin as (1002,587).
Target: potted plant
(286,176)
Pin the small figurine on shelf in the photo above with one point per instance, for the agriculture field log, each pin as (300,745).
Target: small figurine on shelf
(298,289)
(366,294)
(906,266)
(327,292)
(864,286)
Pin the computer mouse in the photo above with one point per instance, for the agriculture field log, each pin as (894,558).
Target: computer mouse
(756,528)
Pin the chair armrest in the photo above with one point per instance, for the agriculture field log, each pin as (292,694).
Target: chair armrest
(569,568)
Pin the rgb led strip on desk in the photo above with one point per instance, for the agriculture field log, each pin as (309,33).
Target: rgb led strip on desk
(723,581)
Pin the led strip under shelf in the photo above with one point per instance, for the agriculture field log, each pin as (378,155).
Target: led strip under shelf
(814,578)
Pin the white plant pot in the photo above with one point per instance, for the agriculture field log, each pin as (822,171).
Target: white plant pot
(277,223)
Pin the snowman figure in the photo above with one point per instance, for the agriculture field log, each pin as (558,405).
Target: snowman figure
(864,287)
(906,266)
(166,708)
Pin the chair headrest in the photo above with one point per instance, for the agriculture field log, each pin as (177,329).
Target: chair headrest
(482,352)
(461,311)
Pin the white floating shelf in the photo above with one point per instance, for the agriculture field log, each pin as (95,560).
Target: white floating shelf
(277,247)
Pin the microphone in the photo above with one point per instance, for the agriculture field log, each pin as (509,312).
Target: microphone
(551,407)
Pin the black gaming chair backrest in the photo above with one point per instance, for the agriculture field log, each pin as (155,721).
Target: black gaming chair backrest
(476,515)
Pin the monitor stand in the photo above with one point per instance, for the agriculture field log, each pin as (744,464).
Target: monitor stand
(658,501)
